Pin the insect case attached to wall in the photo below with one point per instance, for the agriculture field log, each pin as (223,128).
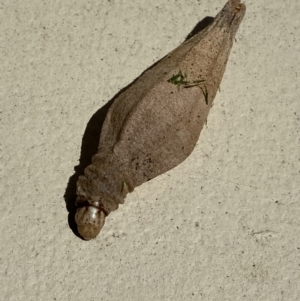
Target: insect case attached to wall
(155,124)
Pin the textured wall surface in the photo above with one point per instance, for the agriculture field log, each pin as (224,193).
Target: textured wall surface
(224,225)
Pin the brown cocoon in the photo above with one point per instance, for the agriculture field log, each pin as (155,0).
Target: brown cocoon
(155,124)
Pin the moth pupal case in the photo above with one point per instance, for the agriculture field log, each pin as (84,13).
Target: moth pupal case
(90,220)
(155,123)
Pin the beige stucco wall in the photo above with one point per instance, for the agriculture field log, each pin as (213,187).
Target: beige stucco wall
(224,225)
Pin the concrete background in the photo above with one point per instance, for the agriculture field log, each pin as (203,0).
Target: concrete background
(224,225)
